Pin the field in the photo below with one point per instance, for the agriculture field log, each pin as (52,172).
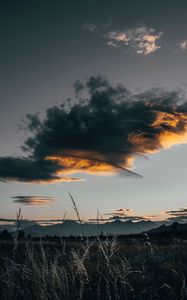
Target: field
(141,268)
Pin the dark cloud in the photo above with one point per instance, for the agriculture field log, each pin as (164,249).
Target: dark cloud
(101,133)
(30,170)
(177,215)
(78,86)
(177,212)
(33,200)
(12,223)
(27,221)
(128,218)
(2,220)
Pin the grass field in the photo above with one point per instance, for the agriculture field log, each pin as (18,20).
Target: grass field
(94,268)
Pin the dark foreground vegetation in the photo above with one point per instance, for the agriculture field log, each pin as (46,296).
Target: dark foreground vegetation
(135,267)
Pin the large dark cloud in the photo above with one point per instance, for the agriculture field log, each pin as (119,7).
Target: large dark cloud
(100,132)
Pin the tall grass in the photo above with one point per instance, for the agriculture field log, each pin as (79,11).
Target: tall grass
(91,269)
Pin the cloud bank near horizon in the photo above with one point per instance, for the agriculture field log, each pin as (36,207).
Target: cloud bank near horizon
(100,132)
(122,214)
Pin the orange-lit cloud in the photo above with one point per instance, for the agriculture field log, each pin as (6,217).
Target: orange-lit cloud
(170,128)
(58,178)
(71,165)
(90,162)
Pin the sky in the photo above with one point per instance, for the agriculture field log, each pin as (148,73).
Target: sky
(93,102)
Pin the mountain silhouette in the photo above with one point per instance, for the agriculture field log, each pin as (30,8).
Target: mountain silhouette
(172,228)
(73,228)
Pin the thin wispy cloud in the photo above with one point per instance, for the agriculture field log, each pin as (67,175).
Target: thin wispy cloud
(99,27)
(141,40)
(169,216)
(177,215)
(89,27)
(125,214)
(33,200)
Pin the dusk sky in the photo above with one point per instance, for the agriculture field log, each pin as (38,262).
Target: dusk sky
(93,102)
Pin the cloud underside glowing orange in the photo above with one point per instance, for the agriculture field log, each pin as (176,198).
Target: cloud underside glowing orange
(170,128)
(72,165)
